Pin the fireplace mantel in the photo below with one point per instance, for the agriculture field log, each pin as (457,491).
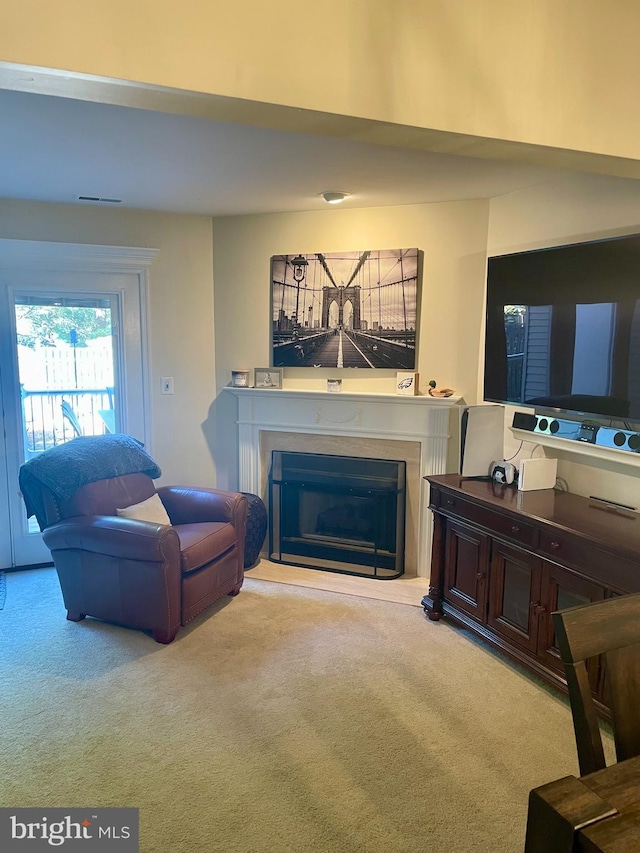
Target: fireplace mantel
(390,417)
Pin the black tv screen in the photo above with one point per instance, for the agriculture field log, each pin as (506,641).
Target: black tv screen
(563,329)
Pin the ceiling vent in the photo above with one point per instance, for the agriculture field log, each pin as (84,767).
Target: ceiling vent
(101,200)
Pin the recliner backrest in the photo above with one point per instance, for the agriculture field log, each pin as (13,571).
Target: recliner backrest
(101,497)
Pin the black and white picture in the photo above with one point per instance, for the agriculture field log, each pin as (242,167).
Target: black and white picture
(345,309)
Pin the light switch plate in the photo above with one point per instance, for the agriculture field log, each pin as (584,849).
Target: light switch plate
(166,384)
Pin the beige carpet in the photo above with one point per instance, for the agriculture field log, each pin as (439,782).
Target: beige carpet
(403,590)
(287,719)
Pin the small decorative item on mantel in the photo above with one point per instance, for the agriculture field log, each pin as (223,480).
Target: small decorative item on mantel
(407,383)
(435,391)
(268,377)
(240,378)
(334,385)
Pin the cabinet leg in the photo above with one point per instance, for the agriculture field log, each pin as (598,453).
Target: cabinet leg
(432,605)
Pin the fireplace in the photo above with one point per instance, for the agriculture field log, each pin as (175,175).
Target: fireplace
(373,425)
(337,513)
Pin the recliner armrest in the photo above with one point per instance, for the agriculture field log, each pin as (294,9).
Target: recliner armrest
(115,537)
(187,505)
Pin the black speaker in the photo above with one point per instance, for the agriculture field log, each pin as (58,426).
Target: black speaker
(523,420)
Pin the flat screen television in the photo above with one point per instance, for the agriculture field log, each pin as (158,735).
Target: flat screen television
(563,330)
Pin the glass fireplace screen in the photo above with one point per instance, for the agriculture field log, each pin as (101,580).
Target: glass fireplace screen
(337,513)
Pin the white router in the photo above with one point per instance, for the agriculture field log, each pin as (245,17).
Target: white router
(538,473)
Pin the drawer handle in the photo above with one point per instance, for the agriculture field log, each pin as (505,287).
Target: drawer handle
(554,545)
(515,529)
(451,502)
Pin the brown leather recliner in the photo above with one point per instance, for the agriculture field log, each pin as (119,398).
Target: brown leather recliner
(141,574)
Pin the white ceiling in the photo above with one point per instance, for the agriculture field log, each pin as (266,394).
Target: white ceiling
(56,149)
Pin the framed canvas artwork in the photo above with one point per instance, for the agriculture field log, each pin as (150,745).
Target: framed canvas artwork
(346,309)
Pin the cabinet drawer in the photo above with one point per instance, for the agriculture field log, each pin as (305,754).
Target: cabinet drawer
(498,524)
(573,552)
(586,558)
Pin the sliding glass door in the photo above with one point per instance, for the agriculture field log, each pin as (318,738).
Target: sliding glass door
(66,369)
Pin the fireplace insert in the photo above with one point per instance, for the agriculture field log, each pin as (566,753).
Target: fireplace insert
(337,513)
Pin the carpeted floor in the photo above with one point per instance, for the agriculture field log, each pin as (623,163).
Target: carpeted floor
(287,719)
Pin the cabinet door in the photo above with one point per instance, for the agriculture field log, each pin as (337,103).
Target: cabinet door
(465,573)
(559,590)
(514,595)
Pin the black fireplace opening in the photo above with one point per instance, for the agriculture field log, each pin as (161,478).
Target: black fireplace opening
(337,513)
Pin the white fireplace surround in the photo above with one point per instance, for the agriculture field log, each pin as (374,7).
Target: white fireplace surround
(390,417)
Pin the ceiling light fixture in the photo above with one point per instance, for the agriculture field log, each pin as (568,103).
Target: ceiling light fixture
(334,197)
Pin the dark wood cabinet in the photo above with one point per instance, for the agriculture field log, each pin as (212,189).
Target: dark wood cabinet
(503,561)
(513,610)
(466,569)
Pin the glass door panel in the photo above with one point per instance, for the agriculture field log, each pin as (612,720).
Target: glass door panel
(562,589)
(66,374)
(66,368)
(514,586)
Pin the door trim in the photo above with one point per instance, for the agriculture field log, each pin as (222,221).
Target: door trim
(37,254)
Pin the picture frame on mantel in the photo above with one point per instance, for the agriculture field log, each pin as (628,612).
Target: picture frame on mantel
(268,377)
(351,309)
(241,378)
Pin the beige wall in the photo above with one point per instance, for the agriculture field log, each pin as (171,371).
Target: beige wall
(194,431)
(583,207)
(180,315)
(453,237)
(554,74)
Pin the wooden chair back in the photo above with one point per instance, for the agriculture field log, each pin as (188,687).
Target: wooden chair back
(610,628)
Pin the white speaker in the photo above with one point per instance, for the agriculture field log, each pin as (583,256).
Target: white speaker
(481,439)
(618,439)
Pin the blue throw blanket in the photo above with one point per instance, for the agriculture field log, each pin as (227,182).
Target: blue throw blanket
(67,467)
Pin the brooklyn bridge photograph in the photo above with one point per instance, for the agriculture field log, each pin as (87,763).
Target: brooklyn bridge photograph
(345,309)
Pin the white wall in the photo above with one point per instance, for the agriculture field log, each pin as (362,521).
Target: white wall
(577,208)
(453,237)
(180,315)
